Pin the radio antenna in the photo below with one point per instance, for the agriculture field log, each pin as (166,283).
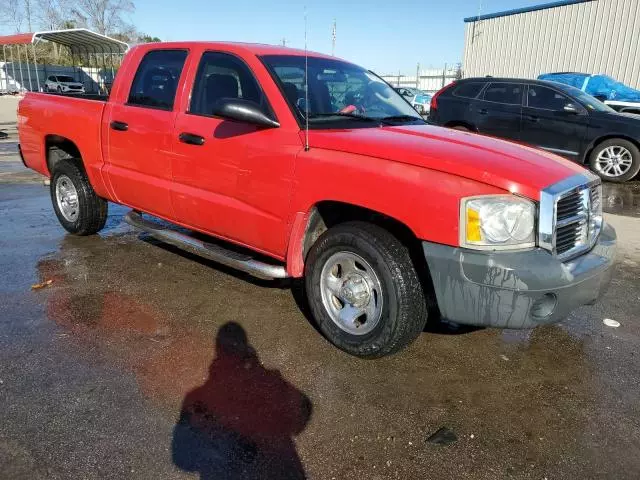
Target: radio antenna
(306,86)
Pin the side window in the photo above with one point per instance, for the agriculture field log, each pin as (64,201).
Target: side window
(507,93)
(156,80)
(468,90)
(546,98)
(221,75)
(52,78)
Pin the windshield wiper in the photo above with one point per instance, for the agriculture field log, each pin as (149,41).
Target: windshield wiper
(342,114)
(400,118)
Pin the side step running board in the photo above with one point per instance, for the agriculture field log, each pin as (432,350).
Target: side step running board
(211,251)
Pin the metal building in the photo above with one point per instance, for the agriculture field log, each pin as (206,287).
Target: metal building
(589,36)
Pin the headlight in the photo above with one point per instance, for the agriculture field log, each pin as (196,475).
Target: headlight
(497,222)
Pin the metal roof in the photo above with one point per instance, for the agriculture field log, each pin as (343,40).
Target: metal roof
(17,39)
(516,11)
(78,40)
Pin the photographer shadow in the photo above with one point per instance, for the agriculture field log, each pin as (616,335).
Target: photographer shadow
(241,422)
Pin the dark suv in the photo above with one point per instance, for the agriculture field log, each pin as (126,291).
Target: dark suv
(548,115)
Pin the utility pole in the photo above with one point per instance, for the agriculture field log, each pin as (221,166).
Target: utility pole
(418,76)
(284,42)
(333,39)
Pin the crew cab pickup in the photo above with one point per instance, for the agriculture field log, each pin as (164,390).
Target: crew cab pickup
(287,164)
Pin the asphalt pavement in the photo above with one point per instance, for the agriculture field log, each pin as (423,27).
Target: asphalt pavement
(128,341)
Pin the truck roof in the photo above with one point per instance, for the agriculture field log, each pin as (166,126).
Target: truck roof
(253,48)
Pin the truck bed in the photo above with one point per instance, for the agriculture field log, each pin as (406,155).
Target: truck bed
(45,116)
(85,96)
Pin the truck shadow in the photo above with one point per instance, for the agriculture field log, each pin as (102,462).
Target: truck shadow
(241,422)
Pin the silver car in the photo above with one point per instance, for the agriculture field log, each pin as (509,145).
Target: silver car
(63,84)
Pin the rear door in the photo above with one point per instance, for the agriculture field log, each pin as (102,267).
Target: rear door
(139,133)
(499,110)
(553,121)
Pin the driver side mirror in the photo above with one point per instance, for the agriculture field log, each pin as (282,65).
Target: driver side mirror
(571,108)
(244,111)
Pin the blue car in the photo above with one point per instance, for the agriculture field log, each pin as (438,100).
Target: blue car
(617,95)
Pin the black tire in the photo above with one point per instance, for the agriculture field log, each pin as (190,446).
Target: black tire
(616,142)
(91,209)
(404,308)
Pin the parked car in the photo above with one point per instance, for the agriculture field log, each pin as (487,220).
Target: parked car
(551,116)
(617,95)
(418,99)
(387,219)
(62,84)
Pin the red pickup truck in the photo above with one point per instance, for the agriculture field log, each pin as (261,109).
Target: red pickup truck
(306,166)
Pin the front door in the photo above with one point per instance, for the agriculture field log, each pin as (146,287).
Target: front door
(498,112)
(139,131)
(232,179)
(554,122)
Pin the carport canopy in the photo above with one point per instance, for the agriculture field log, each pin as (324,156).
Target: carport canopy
(77,40)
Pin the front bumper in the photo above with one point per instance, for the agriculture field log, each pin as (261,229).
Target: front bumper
(517,289)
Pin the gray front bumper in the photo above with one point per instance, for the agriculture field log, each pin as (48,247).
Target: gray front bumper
(505,289)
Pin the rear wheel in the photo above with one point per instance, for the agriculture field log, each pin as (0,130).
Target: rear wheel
(79,210)
(615,160)
(363,290)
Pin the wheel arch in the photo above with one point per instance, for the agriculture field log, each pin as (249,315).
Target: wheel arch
(309,226)
(461,123)
(57,147)
(604,138)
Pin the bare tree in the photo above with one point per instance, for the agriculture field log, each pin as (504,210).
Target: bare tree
(13,15)
(52,14)
(103,16)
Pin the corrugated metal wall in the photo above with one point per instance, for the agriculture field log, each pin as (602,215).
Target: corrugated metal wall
(602,36)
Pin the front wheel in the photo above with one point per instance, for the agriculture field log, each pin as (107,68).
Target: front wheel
(615,160)
(79,210)
(364,291)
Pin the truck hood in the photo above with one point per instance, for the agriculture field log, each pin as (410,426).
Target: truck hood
(509,166)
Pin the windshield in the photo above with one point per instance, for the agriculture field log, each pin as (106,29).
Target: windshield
(338,92)
(65,78)
(590,103)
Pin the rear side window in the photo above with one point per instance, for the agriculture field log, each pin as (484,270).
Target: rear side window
(468,90)
(156,80)
(221,75)
(507,93)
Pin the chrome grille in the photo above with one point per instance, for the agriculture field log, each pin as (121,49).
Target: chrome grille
(570,216)
(572,221)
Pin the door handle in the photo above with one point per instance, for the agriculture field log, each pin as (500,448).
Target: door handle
(120,126)
(191,138)
(532,118)
(483,111)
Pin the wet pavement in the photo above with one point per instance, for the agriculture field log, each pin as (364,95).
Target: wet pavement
(135,360)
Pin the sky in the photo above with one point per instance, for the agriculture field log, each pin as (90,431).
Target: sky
(386,36)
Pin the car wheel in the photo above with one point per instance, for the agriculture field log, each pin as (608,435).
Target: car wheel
(615,160)
(364,291)
(78,208)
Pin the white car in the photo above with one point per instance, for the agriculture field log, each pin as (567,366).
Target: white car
(62,84)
